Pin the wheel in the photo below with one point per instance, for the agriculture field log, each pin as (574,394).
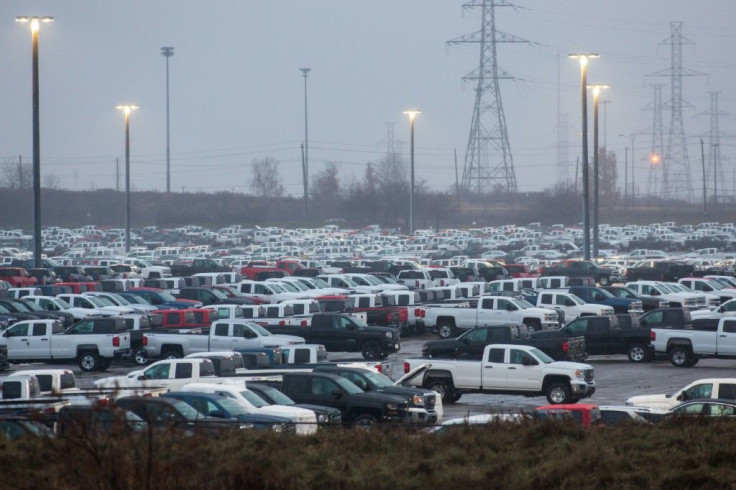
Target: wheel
(693,362)
(364,422)
(170,354)
(89,361)
(559,393)
(371,350)
(533,325)
(104,364)
(680,357)
(637,353)
(604,280)
(140,357)
(456,397)
(444,389)
(445,330)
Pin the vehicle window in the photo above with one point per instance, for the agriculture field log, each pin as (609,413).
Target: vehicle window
(496,355)
(597,325)
(44,382)
(223,313)
(221,330)
(547,299)
(504,303)
(183,371)
(159,412)
(206,369)
(340,322)
(727,390)
(699,391)
(578,327)
(691,409)
(364,302)
(300,384)
(301,356)
(82,328)
(614,417)
(729,326)
(478,336)
(655,317)
(39,329)
(519,356)
(487,304)
(322,386)
(158,372)
(718,410)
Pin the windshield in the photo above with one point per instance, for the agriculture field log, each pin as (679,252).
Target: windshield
(259,329)
(289,287)
(278,397)
(101,301)
(715,285)
(32,306)
(4,309)
(605,293)
(577,300)
(232,407)
(186,410)
(167,296)
(253,399)
(348,386)
(120,299)
(133,299)
(20,307)
(319,283)
(297,285)
(63,304)
(664,288)
(524,303)
(542,356)
(681,288)
(348,281)
(218,294)
(378,379)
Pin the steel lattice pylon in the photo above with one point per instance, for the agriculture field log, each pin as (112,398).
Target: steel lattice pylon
(655,157)
(489,165)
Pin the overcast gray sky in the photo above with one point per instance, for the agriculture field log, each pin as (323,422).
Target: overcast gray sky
(237,92)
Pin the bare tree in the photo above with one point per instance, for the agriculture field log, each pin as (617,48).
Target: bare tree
(52,182)
(266,180)
(326,185)
(16,175)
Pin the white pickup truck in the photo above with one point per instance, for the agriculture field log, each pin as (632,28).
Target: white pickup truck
(702,388)
(52,303)
(507,370)
(490,310)
(572,306)
(685,346)
(172,374)
(46,340)
(223,335)
(676,299)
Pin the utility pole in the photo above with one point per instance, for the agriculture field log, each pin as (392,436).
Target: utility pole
(117,174)
(305,73)
(457,183)
(702,158)
(168,52)
(304,181)
(20,172)
(626,176)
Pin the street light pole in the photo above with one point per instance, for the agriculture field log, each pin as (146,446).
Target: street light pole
(168,52)
(412,115)
(305,158)
(596,96)
(586,191)
(37,240)
(126,111)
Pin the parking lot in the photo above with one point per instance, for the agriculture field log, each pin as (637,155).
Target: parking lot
(616,378)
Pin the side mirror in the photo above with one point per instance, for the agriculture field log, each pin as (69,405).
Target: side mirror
(217,413)
(682,396)
(655,293)
(529,362)
(466,341)
(510,308)
(142,377)
(351,326)
(598,297)
(337,394)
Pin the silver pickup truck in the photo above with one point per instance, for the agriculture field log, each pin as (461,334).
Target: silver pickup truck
(685,346)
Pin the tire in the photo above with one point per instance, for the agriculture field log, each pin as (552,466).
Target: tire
(445,390)
(140,357)
(604,280)
(89,361)
(681,357)
(105,363)
(445,330)
(171,354)
(371,350)
(693,362)
(456,397)
(559,393)
(533,325)
(637,353)
(364,422)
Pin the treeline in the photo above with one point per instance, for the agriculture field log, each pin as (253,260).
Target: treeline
(357,205)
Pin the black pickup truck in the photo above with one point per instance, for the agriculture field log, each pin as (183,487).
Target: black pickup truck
(471,344)
(648,302)
(198,266)
(359,408)
(579,268)
(210,296)
(342,332)
(675,318)
(609,335)
(659,270)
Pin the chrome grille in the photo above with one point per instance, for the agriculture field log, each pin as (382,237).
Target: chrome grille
(589,375)
(335,418)
(430,401)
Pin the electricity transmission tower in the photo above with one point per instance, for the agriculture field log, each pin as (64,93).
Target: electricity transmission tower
(676,177)
(655,157)
(714,173)
(489,165)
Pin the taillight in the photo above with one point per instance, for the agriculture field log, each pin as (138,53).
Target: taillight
(442,282)
(144,340)
(388,317)
(379,368)
(566,347)
(407,368)
(424,313)
(653,335)
(116,341)
(304,323)
(282,322)
(416,283)
(417,312)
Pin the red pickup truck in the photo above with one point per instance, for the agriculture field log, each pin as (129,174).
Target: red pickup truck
(187,318)
(372,305)
(17,277)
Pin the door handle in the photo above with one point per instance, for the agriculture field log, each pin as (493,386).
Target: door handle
(44,340)
(721,335)
(488,367)
(511,367)
(24,340)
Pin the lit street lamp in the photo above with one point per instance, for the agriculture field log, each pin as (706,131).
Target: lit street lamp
(583,57)
(168,52)
(412,114)
(37,240)
(596,95)
(126,110)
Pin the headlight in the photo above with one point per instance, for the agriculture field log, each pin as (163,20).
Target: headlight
(278,427)
(579,373)
(418,400)
(389,335)
(246,426)
(392,406)
(323,418)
